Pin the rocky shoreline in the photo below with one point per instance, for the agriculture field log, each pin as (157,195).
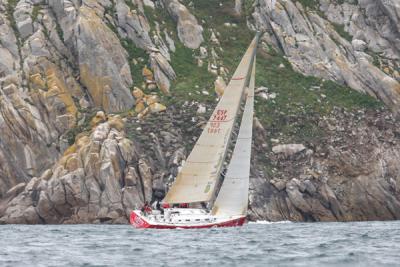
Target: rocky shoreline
(349,175)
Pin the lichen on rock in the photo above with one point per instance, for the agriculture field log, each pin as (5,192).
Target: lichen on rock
(88,184)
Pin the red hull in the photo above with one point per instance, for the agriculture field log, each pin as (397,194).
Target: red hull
(139,222)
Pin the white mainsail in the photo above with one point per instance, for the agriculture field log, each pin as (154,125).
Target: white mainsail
(232,199)
(197,179)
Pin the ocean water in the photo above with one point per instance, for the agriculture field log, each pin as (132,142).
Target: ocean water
(255,244)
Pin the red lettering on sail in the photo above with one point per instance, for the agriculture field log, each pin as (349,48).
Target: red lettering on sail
(213,130)
(214,124)
(220,115)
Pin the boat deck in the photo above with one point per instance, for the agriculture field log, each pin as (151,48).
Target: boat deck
(182,218)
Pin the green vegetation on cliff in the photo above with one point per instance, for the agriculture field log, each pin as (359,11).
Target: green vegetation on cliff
(298,98)
(309,3)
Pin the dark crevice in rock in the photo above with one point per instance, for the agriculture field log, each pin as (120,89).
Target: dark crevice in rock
(41,219)
(141,182)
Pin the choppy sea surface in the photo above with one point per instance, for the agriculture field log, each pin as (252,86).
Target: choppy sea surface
(255,244)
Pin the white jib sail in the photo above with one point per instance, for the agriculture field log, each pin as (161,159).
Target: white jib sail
(197,179)
(232,199)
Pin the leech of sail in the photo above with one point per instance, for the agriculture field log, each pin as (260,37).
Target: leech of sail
(188,188)
(232,198)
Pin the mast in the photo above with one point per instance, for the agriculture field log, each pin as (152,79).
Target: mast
(233,197)
(198,177)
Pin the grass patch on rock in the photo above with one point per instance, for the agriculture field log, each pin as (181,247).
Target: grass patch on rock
(339,28)
(312,4)
(137,59)
(191,80)
(35,12)
(300,99)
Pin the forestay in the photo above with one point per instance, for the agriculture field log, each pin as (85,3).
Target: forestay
(233,196)
(197,179)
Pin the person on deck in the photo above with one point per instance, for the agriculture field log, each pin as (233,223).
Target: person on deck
(156,205)
(146,209)
(162,206)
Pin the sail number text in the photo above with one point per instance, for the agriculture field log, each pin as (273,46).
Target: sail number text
(219,116)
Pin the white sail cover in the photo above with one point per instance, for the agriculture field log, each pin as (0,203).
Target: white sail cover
(197,179)
(233,196)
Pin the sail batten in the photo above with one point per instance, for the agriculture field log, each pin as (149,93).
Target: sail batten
(232,199)
(208,154)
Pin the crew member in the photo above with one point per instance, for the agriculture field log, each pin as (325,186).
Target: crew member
(146,208)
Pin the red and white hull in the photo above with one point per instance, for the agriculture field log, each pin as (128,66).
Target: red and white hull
(183,219)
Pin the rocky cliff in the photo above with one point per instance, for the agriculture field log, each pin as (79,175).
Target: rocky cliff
(101,100)
(339,42)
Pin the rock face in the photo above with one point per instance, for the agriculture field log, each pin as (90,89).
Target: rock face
(134,25)
(288,150)
(102,62)
(108,84)
(344,179)
(189,31)
(314,47)
(99,179)
(36,97)
(57,60)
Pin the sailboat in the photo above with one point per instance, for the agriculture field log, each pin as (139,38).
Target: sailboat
(197,183)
